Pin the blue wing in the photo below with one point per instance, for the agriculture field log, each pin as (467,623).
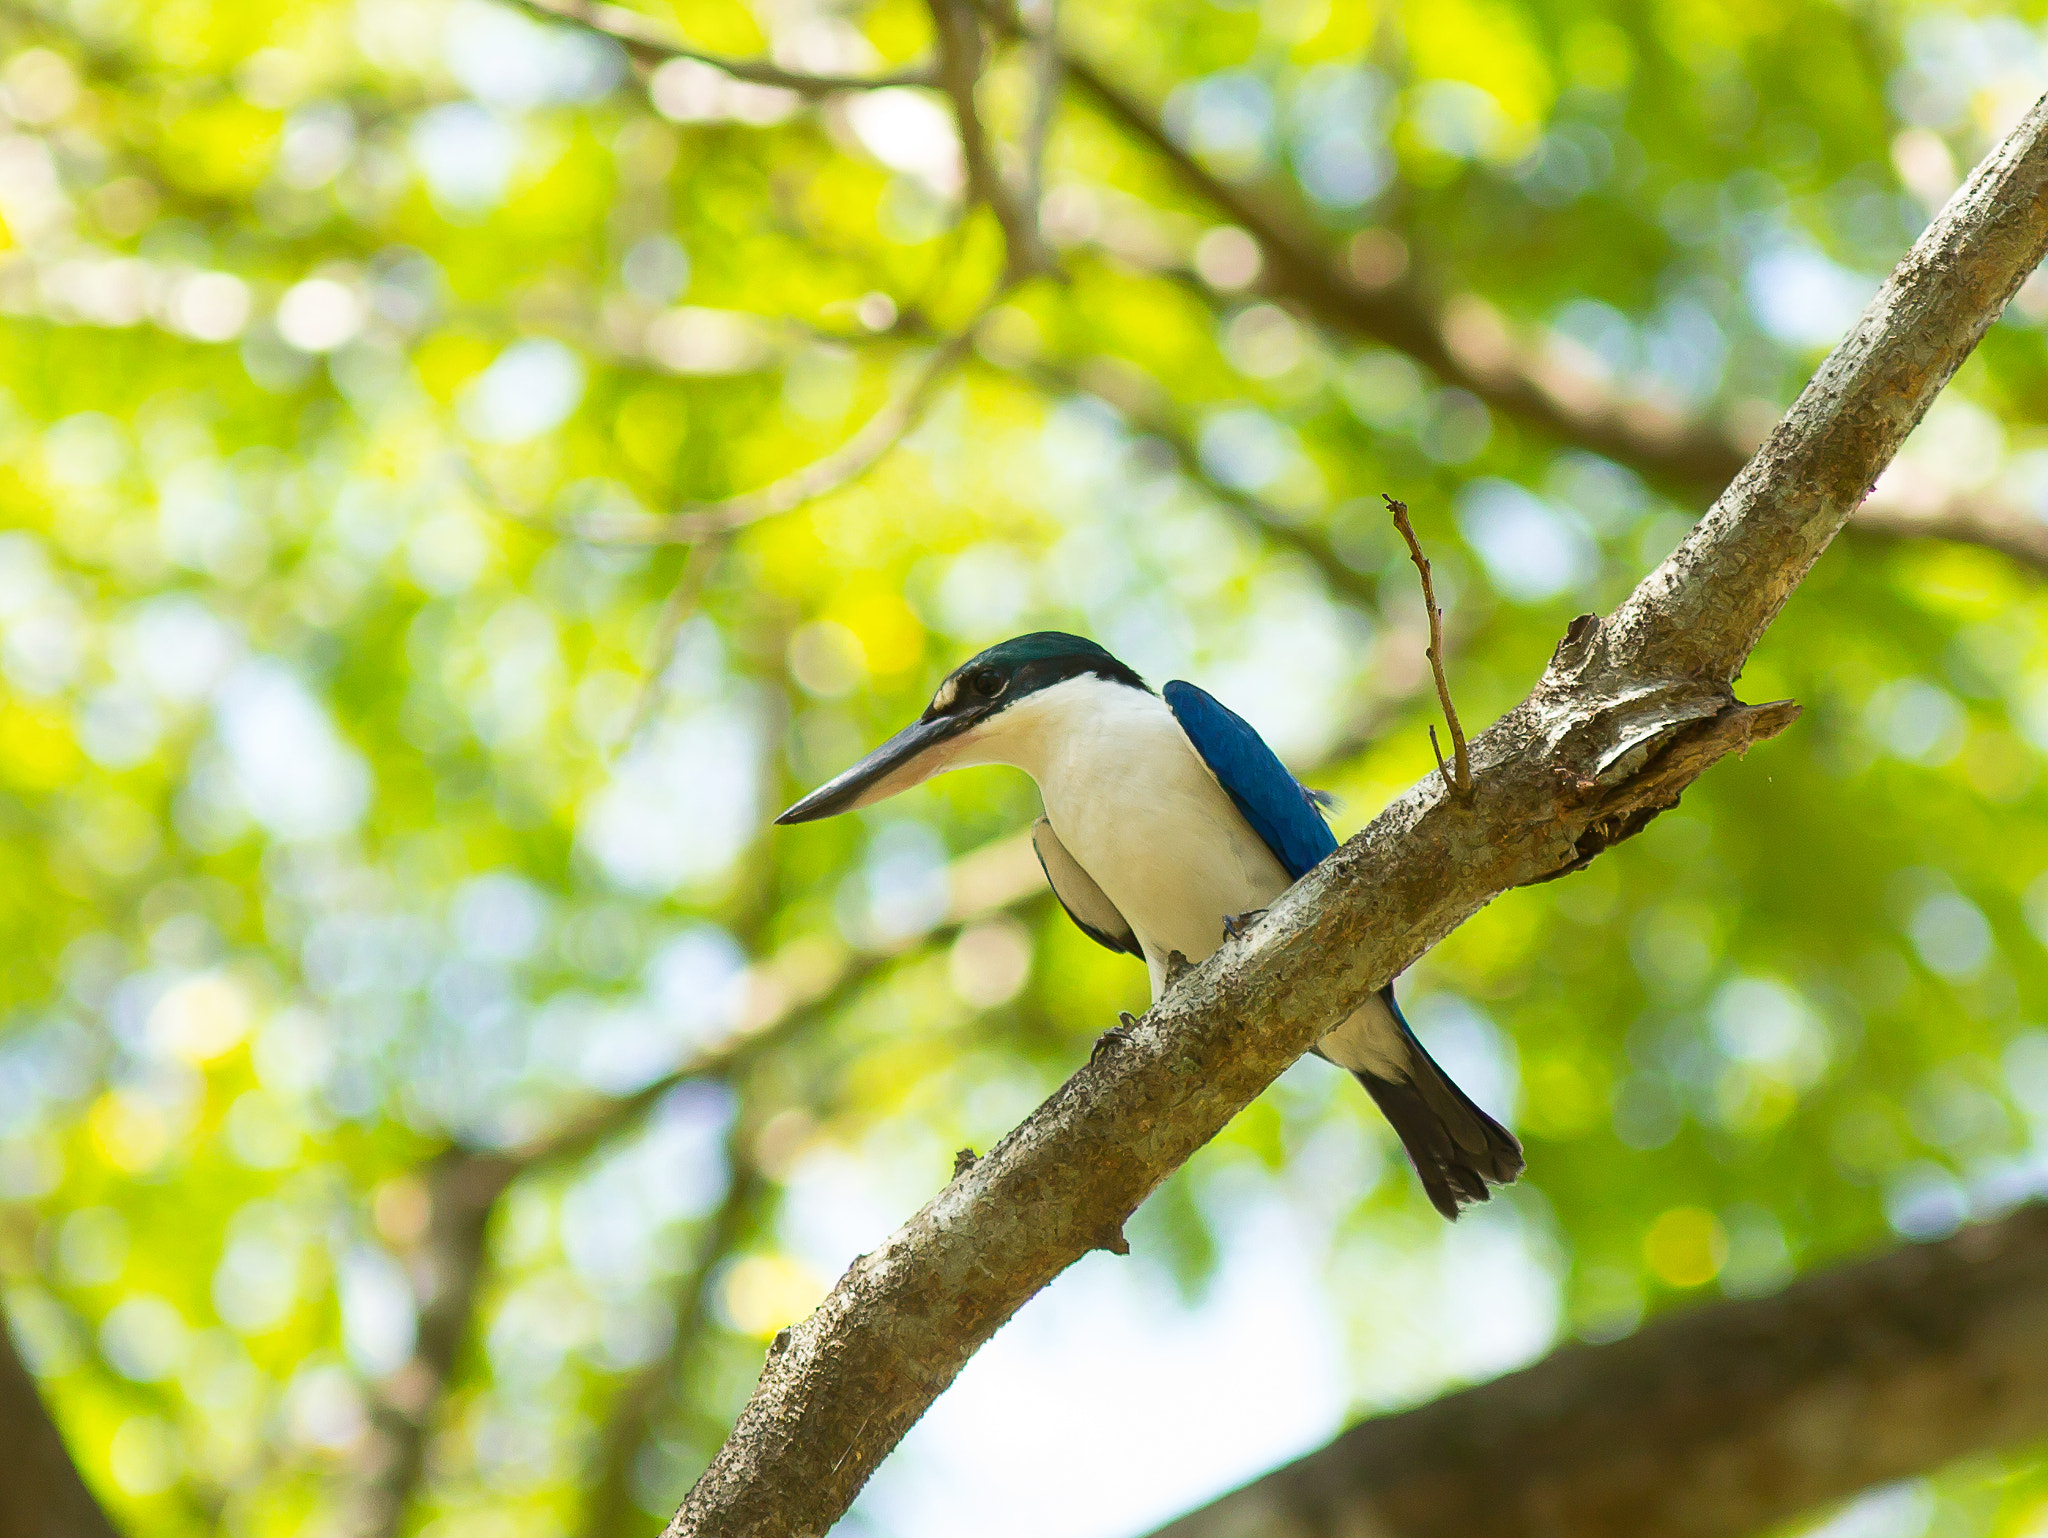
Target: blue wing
(1272,800)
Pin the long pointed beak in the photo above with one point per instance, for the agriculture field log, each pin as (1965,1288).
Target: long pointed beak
(910,757)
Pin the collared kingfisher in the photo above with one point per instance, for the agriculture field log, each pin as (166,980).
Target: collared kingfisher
(1168,824)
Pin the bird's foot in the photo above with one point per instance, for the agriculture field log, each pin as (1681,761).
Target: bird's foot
(1235,924)
(1176,964)
(1116,1036)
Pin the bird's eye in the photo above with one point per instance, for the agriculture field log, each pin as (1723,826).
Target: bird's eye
(986,682)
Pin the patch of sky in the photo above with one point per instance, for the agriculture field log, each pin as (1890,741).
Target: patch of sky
(1228,118)
(1291,666)
(1607,496)
(534,1328)
(1384,389)
(1801,297)
(119,726)
(1904,1510)
(1460,119)
(1339,115)
(466,152)
(614,1217)
(1679,350)
(697,984)
(1918,721)
(1568,161)
(261,1269)
(529,389)
(1089,568)
(909,131)
(1925,1201)
(902,888)
(316,144)
(656,269)
(43,1066)
(204,524)
(1456,428)
(1958,444)
(513,62)
(694,990)
(174,646)
(379,1321)
(1245,448)
(295,774)
(2026,1075)
(499,916)
(1082,446)
(520,656)
(406,287)
(1532,550)
(1952,1108)
(1500,1272)
(1187,1401)
(1951,935)
(43,631)
(1761,1022)
(984,592)
(680,804)
(348,955)
(144,1338)
(85,451)
(1950,57)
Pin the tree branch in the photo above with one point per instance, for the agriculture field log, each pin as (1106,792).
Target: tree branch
(649,39)
(42,1494)
(1717,1422)
(1630,711)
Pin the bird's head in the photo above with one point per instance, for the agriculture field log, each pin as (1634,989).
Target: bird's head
(965,713)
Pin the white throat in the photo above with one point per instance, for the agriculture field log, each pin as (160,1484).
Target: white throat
(1132,801)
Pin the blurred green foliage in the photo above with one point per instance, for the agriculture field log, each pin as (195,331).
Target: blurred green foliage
(356,807)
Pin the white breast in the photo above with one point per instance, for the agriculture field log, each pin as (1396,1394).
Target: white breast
(1133,802)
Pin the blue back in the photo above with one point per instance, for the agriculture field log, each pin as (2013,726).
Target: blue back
(1272,800)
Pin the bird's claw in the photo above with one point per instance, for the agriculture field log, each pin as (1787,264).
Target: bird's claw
(1116,1036)
(1235,924)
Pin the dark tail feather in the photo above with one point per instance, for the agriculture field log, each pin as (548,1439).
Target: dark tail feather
(1457,1148)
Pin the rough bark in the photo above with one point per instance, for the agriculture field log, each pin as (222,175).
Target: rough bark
(1718,1422)
(41,1493)
(1629,712)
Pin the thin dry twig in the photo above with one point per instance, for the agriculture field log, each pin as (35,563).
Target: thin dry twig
(649,39)
(1460,783)
(835,471)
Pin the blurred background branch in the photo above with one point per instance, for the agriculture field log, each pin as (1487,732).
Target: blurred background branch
(1712,1423)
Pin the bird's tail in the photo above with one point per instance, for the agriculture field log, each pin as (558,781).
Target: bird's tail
(1457,1149)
